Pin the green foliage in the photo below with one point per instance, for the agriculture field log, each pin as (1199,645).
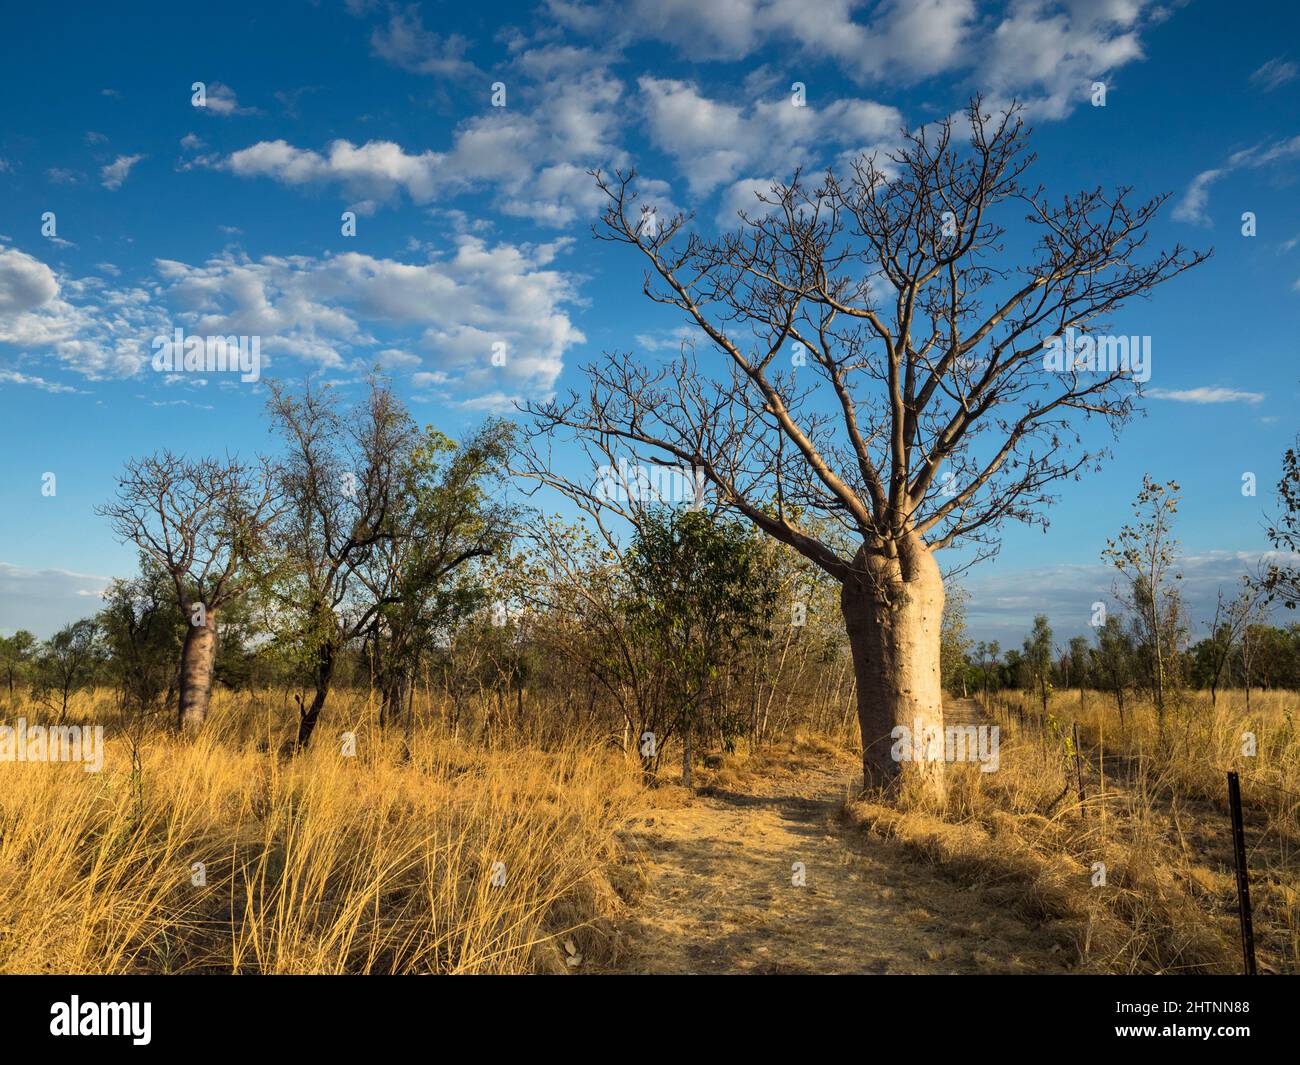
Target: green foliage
(1036,661)
(142,629)
(66,663)
(16,657)
(954,643)
(697,593)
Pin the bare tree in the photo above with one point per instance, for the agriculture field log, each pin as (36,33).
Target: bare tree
(883,364)
(202,521)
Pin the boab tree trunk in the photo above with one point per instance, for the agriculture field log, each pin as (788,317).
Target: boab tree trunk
(892,609)
(198,659)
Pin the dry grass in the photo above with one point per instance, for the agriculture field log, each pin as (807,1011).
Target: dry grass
(382,862)
(1155,814)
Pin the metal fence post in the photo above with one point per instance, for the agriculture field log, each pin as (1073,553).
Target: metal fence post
(1243,881)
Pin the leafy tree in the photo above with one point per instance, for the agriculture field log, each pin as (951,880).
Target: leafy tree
(1113,659)
(16,654)
(341,481)
(1281,579)
(142,629)
(1037,660)
(65,664)
(1080,664)
(203,522)
(1232,620)
(441,519)
(988,656)
(696,594)
(953,641)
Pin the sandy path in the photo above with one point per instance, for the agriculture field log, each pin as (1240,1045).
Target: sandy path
(720,897)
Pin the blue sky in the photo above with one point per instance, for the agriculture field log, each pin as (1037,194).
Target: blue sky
(473,225)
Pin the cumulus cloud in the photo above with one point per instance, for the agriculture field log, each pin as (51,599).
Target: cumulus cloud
(909,38)
(96,330)
(220,99)
(714,141)
(537,161)
(118,170)
(376,169)
(1050,54)
(26,283)
(1045,51)
(458,311)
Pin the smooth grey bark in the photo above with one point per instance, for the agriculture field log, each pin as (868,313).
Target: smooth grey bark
(893,608)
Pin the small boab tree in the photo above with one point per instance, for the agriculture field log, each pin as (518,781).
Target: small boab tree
(203,522)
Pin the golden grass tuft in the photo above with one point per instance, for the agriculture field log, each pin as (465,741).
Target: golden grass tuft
(320,863)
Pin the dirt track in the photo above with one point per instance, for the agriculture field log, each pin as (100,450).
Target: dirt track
(720,897)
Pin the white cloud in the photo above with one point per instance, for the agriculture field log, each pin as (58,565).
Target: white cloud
(1192,207)
(1205,394)
(220,99)
(117,171)
(1044,51)
(405,43)
(901,38)
(96,330)
(454,308)
(536,161)
(1274,74)
(714,142)
(376,169)
(1195,200)
(1049,54)
(670,340)
(13,377)
(25,283)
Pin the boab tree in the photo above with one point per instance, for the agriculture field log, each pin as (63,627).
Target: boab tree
(202,521)
(876,357)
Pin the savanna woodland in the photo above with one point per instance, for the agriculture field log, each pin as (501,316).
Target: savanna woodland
(684,665)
